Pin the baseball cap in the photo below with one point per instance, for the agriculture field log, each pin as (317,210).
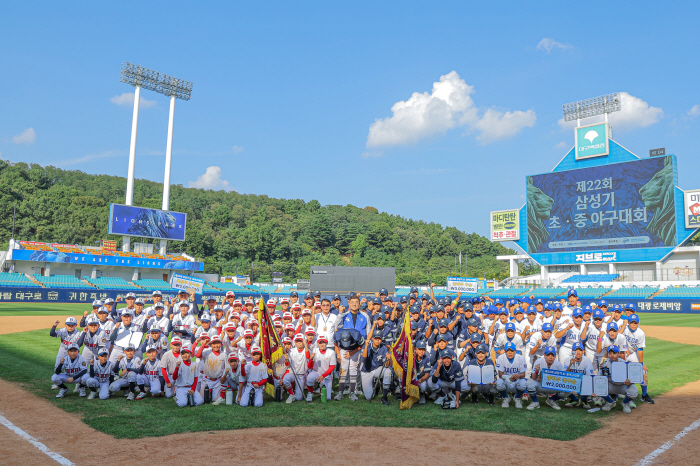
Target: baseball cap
(577,345)
(109,301)
(442,337)
(72,346)
(232,357)
(271,302)
(476,300)
(296,306)
(286,340)
(377,334)
(130,347)
(277,323)
(150,348)
(310,330)
(127,312)
(588,309)
(550,350)
(525,300)
(249,301)
(443,323)
(214,338)
(130,296)
(633,318)
(230,326)
(293,294)
(502,311)
(97,303)
(612,326)
(531,310)
(237,302)
(255,349)
(510,326)
(306,312)
(539,301)
(205,318)
(336,296)
(159,305)
(420,344)
(92,320)
(577,313)
(446,353)
(140,301)
(631,306)
(289,327)
(317,304)
(176,340)
(571,292)
(498,301)
(71,321)
(102,351)
(287,315)
(186,349)
(547,327)
(476,338)
(482,348)
(156,293)
(510,346)
(322,338)
(613,348)
(602,303)
(183,303)
(248,333)
(103,309)
(598,314)
(154,328)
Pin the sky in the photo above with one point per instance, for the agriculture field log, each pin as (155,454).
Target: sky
(433,111)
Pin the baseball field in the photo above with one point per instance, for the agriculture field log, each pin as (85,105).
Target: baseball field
(81,430)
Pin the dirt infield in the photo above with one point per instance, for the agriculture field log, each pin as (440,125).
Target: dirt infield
(14,324)
(686,335)
(642,432)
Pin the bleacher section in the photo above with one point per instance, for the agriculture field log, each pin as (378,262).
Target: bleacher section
(634,292)
(592,278)
(231,287)
(155,284)
(287,289)
(508,292)
(265,288)
(680,292)
(16,280)
(592,292)
(547,292)
(60,281)
(111,283)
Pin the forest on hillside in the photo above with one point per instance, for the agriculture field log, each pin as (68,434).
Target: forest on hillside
(243,233)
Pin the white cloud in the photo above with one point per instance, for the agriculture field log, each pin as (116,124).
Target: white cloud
(89,157)
(495,125)
(561,145)
(127,100)
(635,113)
(548,45)
(694,111)
(237,149)
(211,179)
(27,137)
(447,106)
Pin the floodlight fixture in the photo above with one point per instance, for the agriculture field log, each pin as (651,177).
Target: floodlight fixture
(151,80)
(601,105)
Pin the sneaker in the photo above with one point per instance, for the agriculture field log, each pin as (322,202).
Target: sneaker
(338,397)
(291,399)
(142,395)
(219,401)
(353,397)
(490,400)
(505,403)
(632,405)
(62,392)
(309,397)
(76,389)
(585,405)
(439,400)
(127,393)
(421,401)
(572,404)
(92,395)
(358,391)
(525,396)
(518,403)
(432,396)
(533,405)
(608,406)
(553,403)
(475,399)
(82,391)
(648,399)
(130,397)
(54,387)
(347,390)
(626,408)
(384,401)
(598,401)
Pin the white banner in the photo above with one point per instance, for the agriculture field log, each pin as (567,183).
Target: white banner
(462,285)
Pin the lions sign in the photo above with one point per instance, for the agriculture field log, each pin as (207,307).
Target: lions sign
(146,223)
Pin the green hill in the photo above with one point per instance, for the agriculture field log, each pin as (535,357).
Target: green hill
(243,233)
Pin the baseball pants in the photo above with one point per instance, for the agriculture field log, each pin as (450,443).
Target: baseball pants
(289,381)
(564,352)
(116,352)
(368,379)
(326,382)
(169,391)
(88,355)
(595,358)
(102,388)
(629,391)
(349,364)
(505,385)
(154,385)
(211,384)
(486,389)
(181,396)
(245,396)
(534,388)
(59,379)
(123,383)
(442,385)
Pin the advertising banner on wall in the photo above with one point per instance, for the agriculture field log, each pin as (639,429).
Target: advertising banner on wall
(505,225)
(604,208)
(115,261)
(692,208)
(146,223)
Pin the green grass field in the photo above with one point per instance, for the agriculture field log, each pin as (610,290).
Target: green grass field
(28,359)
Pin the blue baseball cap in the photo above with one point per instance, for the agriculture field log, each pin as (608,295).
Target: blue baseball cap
(420,344)
(577,313)
(577,345)
(612,326)
(494,310)
(602,303)
(442,337)
(539,301)
(598,314)
(525,300)
(633,318)
(587,309)
(447,353)
(498,301)
(510,346)
(613,348)
(476,300)
(550,350)
(443,323)
(631,306)
(510,326)
(415,309)
(502,311)
(532,310)
(547,327)
(482,348)
(571,292)
(546,306)
(476,338)
(557,306)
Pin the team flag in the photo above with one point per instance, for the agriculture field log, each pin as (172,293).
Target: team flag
(403,360)
(269,344)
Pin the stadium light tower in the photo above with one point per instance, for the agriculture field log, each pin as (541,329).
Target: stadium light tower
(175,88)
(600,105)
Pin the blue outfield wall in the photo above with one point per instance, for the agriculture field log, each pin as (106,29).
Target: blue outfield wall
(671,306)
(82,295)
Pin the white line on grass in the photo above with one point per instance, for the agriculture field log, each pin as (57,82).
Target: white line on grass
(652,456)
(40,446)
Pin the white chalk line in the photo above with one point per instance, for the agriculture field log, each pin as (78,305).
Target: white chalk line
(39,446)
(649,459)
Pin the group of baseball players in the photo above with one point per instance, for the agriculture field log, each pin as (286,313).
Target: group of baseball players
(197,354)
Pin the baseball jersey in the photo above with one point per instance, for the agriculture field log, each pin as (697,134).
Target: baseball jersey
(567,311)
(161,344)
(93,341)
(585,366)
(541,364)
(453,373)
(325,325)
(211,331)
(502,339)
(129,364)
(635,340)
(107,327)
(520,325)
(72,367)
(140,319)
(591,341)
(213,365)
(163,324)
(169,361)
(620,341)
(254,372)
(102,372)
(376,357)
(151,369)
(227,344)
(67,337)
(244,351)
(572,335)
(323,361)
(186,375)
(517,365)
(187,322)
(534,342)
(234,378)
(299,360)
(532,327)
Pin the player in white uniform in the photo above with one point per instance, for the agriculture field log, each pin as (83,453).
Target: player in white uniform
(184,320)
(70,369)
(94,338)
(580,364)
(510,336)
(129,365)
(106,324)
(322,372)
(157,340)
(101,375)
(168,364)
(245,347)
(593,335)
(230,338)
(123,335)
(298,362)
(612,337)
(572,297)
(160,320)
(213,366)
(626,388)
(537,344)
(636,342)
(206,327)
(140,317)
(571,332)
(534,385)
(255,373)
(150,372)
(68,335)
(512,369)
(186,377)
(533,324)
(232,379)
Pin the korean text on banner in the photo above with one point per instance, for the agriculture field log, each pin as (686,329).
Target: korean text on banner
(562,380)
(184,282)
(462,285)
(505,225)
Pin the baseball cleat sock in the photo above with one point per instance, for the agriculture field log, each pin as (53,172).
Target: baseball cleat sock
(132,387)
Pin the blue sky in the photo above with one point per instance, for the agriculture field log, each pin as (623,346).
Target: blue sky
(295,100)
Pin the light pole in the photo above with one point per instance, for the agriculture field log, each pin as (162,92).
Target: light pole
(175,88)
(587,108)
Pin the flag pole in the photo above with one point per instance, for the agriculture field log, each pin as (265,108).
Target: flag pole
(277,338)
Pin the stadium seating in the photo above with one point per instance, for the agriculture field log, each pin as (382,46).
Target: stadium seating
(634,292)
(17,280)
(592,292)
(112,283)
(286,289)
(230,287)
(592,278)
(508,292)
(548,292)
(60,281)
(266,288)
(680,292)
